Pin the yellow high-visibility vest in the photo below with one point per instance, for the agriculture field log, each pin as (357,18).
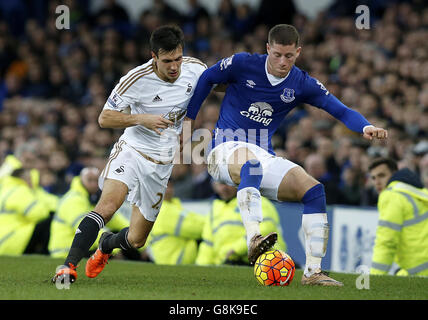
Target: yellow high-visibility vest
(20,211)
(175,234)
(224,232)
(402,232)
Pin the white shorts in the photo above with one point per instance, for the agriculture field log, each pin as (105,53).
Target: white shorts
(274,168)
(146,180)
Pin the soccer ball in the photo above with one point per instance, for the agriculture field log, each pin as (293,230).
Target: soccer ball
(274,268)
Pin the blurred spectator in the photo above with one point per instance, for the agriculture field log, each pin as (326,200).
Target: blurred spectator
(201,182)
(79,199)
(24,158)
(176,233)
(223,235)
(111,13)
(201,42)
(24,218)
(195,12)
(243,22)
(325,148)
(14,13)
(182,179)
(167,12)
(316,166)
(227,13)
(271,12)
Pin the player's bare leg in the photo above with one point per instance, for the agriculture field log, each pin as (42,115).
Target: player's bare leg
(246,171)
(139,229)
(132,237)
(113,195)
(297,185)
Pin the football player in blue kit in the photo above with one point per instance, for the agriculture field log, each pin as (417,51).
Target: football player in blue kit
(261,90)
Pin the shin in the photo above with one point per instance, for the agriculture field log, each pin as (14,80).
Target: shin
(315,227)
(249,198)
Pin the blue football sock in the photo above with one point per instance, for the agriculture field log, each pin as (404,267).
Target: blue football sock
(251,174)
(314,200)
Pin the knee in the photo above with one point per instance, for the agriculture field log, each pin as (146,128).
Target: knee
(295,185)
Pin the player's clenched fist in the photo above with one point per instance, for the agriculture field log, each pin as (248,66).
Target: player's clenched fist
(154,122)
(370,132)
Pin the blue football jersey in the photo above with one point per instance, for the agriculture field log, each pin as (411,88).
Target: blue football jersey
(253,108)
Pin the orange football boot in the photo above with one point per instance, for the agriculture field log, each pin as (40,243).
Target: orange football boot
(64,272)
(98,260)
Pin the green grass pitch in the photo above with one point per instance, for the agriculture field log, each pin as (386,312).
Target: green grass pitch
(28,277)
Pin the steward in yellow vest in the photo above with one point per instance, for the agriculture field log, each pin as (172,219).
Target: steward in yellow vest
(402,232)
(20,211)
(73,207)
(176,232)
(12,163)
(224,235)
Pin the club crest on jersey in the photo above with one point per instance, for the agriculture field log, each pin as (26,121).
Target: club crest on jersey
(288,95)
(120,170)
(260,112)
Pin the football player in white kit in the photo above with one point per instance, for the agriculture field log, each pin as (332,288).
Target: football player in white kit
(150,102)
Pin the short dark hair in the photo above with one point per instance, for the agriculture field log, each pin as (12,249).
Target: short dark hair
(390,163)
(166,38)
(284,34)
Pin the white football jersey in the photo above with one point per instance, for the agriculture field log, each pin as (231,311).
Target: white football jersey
(144,92)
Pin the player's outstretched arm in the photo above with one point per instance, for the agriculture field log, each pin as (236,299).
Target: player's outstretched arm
(117,120)
(317,95)
(353,119)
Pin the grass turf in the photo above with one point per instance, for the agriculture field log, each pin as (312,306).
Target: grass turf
(28,277)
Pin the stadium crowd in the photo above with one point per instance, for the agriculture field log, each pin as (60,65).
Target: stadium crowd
(54,83)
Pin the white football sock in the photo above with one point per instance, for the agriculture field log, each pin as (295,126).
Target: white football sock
(316,230)
(250,207)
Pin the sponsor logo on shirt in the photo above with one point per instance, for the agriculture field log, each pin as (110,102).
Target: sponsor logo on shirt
(260,112)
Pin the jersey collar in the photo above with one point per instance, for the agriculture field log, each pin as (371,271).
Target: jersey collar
(272,79)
